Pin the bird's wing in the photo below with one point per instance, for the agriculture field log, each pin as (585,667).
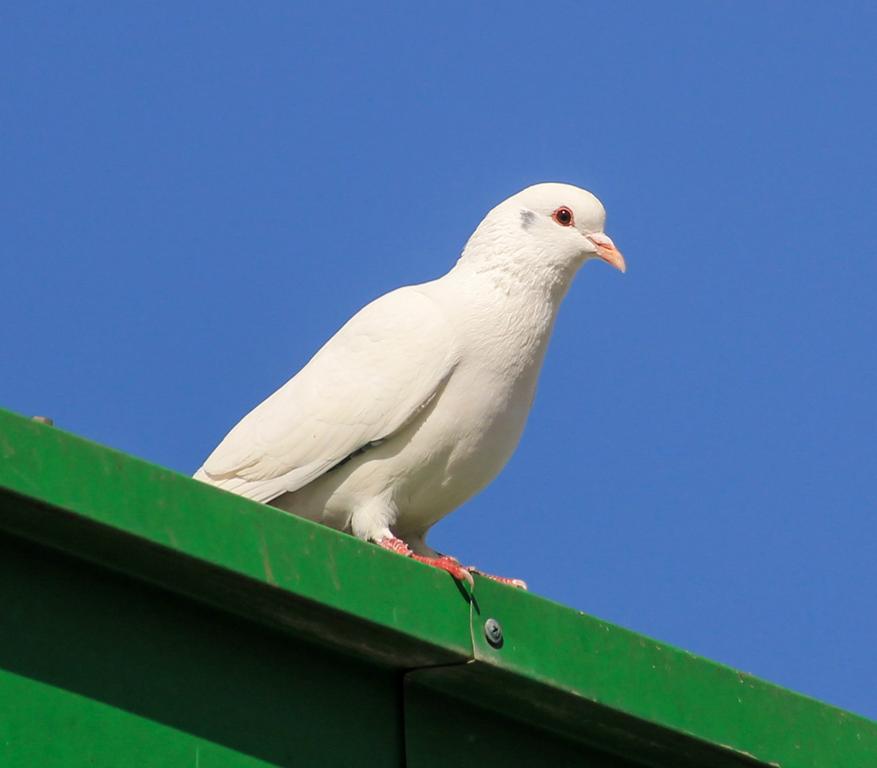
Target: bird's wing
(372,377)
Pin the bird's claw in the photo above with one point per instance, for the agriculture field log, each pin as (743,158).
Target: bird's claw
(449,564)
(518,583)
(442,562)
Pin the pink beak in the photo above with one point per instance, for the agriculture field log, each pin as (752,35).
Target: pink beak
(607,251)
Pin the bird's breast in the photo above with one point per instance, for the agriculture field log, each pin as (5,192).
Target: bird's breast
(457,444)
(473,428)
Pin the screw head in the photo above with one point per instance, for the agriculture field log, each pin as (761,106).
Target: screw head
(493,632)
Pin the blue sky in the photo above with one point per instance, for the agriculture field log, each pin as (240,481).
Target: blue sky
(195,196)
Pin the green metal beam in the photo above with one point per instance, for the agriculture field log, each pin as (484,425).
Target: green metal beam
(587,684)
(100,671)
(249,558)
(639,698)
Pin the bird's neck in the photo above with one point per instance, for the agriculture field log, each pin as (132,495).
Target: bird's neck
(516,267)
(511,297)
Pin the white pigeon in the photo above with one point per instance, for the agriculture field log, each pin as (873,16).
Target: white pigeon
(420,399)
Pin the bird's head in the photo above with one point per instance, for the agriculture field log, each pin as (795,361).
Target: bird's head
(567,220)
(555,224)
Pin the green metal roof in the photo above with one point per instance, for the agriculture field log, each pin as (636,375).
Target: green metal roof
(556,670)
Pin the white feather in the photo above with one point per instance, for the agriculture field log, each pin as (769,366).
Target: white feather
(365,383)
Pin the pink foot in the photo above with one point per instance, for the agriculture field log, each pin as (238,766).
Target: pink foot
(443,562)
(519,583)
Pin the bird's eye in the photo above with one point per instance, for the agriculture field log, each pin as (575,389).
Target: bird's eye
(563,216)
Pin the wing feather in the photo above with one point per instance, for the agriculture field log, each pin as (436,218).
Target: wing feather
(384,366)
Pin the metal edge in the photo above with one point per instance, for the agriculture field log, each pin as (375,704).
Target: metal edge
(152,523)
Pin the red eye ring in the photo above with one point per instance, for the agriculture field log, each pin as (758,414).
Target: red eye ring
(563,216)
